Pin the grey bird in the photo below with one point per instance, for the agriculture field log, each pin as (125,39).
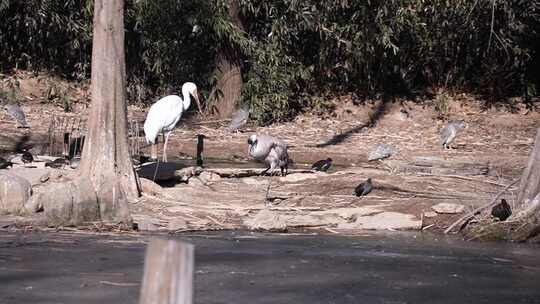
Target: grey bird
(75,162)
(239,119)
(364,188)
(502,210)
(450,131)
(271,151)
(322,165)
(15,111)
(5,163)
(381,151)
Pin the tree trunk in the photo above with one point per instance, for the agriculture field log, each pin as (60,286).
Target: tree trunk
(530,179)
(226,94)
(105,158)
(528,207)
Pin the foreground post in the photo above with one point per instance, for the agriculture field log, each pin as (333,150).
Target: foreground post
(168,273)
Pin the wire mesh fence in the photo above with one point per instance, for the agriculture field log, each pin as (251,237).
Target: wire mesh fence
(66,135)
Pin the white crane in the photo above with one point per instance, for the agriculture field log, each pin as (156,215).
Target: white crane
(165,113)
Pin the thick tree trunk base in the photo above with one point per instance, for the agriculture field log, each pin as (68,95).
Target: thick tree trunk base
(70,203)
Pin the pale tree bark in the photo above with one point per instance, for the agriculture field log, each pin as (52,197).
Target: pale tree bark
(528,207)
(105,158)
(226,94)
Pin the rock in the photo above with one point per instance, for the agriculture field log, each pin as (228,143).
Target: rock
(429,214)
(381,151)
(209,176)
(296,177)
(448,208)
(348,213)
(15,191)
(149,187)
(196,182)
(145,223)
(384,220)
(185,174)
(177,224)
(44,178)
(266,220)
(253,181)
(311,220)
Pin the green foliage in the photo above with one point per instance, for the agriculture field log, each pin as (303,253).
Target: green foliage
(294,54)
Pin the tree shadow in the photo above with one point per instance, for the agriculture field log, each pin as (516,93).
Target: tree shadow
(373,119)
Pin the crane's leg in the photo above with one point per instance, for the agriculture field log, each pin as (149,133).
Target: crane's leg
(165,147)
(154,149)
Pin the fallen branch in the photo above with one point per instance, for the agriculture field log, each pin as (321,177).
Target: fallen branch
(119,284)
(247,172)
(493,202)
(461,177)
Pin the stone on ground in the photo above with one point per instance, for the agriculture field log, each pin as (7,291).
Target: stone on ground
(296,177)
(448,208)
(14,193)
(384,220)
(177,224)
(149,187)
(266,220)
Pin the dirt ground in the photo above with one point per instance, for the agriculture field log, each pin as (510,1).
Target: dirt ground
(496,138)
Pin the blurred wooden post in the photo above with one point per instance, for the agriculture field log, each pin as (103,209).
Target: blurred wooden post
(168,273)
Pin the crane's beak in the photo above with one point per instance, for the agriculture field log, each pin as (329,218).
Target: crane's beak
(196,96)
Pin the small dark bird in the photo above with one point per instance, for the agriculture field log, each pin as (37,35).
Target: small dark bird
(27,157)
(322,165)
(57,163)
(364,188)
(5,163)
(140,159)
(502,211)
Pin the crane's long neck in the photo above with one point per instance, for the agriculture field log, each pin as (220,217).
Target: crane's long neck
(186,101)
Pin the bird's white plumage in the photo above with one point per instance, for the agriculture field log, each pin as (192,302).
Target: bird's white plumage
(166,112)
(163,116)
(270,150)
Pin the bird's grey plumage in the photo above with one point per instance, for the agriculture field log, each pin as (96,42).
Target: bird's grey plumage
(381,151)
(450,132)
(239,119)
(322,165)
(270,150)
(15,111)
(364,188)
(75,162)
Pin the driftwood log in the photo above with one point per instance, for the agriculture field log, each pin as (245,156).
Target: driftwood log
(247,172)
(436,165)
(169,171)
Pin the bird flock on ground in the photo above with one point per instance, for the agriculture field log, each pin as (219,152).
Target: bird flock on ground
(163,116)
